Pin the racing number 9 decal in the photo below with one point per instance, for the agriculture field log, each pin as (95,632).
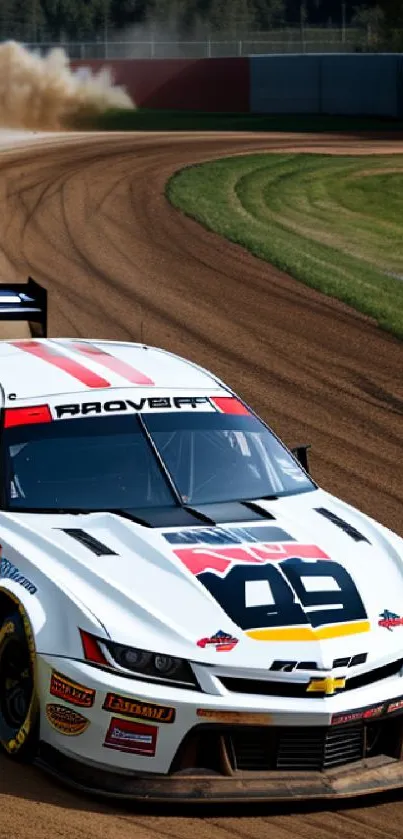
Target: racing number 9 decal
(258,595)
(340,600)
(339,597)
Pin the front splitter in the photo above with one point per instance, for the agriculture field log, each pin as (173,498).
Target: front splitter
(366,777)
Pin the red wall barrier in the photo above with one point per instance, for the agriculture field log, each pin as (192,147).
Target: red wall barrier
(206,84)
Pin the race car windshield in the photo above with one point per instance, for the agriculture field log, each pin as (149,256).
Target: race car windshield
(160,460)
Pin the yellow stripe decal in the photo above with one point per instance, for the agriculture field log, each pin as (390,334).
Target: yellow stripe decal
(308,633)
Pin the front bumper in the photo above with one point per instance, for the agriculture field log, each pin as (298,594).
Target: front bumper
(367,777)
(238,748)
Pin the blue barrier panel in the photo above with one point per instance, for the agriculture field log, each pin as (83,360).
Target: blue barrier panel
(360,84)
(351,84)
(285,84)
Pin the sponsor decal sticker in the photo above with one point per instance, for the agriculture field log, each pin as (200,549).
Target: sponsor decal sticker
(396,705)
(11,572)
(223,642)
(234,717)
(137,708)
(370,713)
(389,620)
(359,714)
(65,720)
(129,736)
(349,716)
(72,692)
(121,406)
(226,536)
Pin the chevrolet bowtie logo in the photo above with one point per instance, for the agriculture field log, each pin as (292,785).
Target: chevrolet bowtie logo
(328,686)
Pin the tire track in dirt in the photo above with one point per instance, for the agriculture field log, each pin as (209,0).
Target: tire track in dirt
(86,215)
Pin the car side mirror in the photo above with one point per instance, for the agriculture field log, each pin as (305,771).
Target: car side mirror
(301,453)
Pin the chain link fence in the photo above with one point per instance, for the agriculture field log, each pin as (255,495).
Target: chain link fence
(297,39)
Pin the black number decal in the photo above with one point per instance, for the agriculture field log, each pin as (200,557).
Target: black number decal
(230,592)
(340,602)
(322,588)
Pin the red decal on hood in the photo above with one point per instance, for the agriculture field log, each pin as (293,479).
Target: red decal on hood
(200,559)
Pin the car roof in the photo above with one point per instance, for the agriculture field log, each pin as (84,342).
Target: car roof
(32,369)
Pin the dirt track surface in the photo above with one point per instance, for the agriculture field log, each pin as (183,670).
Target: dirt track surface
(87,217)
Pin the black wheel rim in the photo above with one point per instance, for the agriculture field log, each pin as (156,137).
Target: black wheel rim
(15,683)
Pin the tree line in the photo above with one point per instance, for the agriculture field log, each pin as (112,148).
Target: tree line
(57,20)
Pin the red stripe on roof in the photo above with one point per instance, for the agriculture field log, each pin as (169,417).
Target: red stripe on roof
(229,405)
(112,363)
(53,356)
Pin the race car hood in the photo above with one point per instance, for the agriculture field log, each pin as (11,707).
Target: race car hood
(312,580)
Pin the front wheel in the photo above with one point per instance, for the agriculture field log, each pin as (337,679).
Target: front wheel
(18,702)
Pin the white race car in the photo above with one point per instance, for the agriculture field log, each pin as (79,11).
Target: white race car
(184,614)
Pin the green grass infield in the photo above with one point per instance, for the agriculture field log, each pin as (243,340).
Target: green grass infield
(335,223)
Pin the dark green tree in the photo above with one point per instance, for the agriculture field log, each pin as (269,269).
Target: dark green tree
(126,12)
(269,14)
(232,15)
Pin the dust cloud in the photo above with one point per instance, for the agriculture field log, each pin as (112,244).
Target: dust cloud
(45,93)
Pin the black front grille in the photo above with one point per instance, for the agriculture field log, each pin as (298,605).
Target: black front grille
(318,748)
(251,750)
(376,675)
(224,749)
(266,688)
(263,687)
(295,749)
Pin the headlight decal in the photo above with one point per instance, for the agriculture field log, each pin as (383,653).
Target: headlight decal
(141,664)
(155,666)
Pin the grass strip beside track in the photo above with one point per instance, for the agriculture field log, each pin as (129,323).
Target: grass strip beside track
(335,223)
(144,119)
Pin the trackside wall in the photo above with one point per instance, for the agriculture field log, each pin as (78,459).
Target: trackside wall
(366,85)
(212,84)
(356,84)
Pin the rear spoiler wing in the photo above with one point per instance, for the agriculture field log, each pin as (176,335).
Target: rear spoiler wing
(26,302)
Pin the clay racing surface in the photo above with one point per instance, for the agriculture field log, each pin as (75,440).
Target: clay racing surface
(86,215)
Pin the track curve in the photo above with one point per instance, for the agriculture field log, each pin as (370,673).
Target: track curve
(86,215)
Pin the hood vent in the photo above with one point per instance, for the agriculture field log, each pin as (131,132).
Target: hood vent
(233,512)
(343,525)
(93,545)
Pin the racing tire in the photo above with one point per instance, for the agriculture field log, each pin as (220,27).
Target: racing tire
(19,710)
